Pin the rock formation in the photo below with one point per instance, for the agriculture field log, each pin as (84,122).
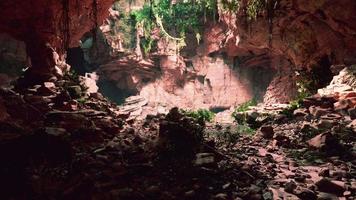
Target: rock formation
(239,59)
(48,28)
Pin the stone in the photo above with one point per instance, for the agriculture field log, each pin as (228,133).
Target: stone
(56,131)
(325,124)
(327,196)
(342,105)
(3,112)
(352,113)
(49,85)
(267,132)
(333,187)
(325,141)
(317,111)
(306,194)
(75,91)
(221,196)
(290,187)
(300,112)
(352,125)
(204,159)
(324,173)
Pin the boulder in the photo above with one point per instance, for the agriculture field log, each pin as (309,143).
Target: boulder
(204,159)
(325,141)
(3,111)
(352,113)
(266,132)
(317,111)
(333,187)
(180,134)
(75,91)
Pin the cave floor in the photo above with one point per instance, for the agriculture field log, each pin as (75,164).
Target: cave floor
(88,150)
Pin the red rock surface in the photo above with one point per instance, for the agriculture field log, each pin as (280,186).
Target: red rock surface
(61,24)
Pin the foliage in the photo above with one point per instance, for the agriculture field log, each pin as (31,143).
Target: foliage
(305,85)
(231,5)
(200,114)
(174,21)
(293,105)
(229,135)
(254,7)
(125,27)
(243,108)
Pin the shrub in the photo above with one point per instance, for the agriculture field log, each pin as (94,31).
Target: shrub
(241,109)
(200,114)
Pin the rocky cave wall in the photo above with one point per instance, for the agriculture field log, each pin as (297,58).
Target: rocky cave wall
(307,34)
(49,26)
(301,34)
(221,70)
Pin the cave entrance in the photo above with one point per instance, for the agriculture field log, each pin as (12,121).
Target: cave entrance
(13,59)
(76,59)
(322,73)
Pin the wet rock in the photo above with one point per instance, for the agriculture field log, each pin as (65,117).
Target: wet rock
(221,196)
(333,187)
(204,159)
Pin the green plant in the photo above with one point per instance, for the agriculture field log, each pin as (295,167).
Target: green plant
(200,114)
(246,106)
(239,113)
(254,7)
(174,21)
(231,5)
(293,105)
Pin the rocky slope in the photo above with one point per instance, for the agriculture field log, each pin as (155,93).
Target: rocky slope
(58,143)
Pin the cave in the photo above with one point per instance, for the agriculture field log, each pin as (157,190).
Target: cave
(173,99)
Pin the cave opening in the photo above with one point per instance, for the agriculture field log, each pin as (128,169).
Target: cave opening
(13,59)
(178,99)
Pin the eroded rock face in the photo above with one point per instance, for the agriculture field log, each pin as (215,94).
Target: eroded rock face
(240,59)
(50,26)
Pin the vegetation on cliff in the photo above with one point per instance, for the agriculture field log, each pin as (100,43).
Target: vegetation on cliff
(176,19)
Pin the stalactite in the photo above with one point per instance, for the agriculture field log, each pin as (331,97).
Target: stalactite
(271,5)
(65,27)
(77,6)
(95,24)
